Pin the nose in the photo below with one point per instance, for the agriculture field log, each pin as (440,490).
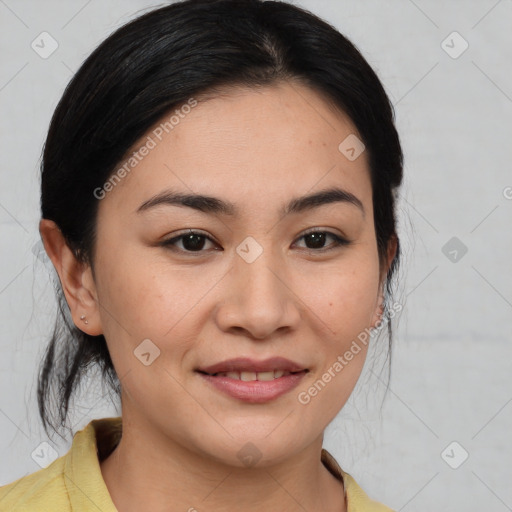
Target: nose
(258,300)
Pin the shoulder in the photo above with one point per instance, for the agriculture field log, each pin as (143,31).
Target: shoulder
(357,500)
(42,491)
(72,482)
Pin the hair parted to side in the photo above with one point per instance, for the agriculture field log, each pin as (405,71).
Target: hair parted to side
(157,62)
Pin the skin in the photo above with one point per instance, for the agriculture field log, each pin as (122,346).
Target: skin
(257,148)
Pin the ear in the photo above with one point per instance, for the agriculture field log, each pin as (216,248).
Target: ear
(75,278)
(379,308)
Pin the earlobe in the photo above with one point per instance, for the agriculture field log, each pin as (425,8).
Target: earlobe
(75,279)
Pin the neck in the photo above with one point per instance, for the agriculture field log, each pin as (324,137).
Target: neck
(171,478)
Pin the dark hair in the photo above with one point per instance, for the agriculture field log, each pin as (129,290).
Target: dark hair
(156,63)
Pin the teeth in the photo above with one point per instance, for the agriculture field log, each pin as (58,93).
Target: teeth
(250,376)
(247,376)
(265,375)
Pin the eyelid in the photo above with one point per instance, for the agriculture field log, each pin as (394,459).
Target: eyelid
(170,242)
(340,240)
(191,231)
(321,230)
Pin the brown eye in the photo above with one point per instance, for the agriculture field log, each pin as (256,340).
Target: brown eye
(315,240)
(191,241)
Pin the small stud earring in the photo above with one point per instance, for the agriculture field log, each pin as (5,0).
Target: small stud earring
(84,319)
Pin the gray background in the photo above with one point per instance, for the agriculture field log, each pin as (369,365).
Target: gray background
(451,376)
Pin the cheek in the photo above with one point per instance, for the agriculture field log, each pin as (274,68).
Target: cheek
(343,297)
(344,308)
(143,302)
(153,299)
(128,296)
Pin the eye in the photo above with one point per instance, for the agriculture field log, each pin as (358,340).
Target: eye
(195,241)
(315,240)
(191,241)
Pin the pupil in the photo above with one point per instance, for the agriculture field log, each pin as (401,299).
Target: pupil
(193,242)
(196,242)
(318,240)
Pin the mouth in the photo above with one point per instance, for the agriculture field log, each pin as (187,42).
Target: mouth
(248,376)
(247,365)
(253,381)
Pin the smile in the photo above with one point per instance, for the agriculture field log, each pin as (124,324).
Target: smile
(250,376)
(253,387)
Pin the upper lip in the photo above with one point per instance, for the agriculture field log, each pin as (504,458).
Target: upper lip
(246,364)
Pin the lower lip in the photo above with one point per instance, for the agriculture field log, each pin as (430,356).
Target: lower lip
(255,391)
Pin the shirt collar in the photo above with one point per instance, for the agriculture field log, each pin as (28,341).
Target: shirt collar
(82,473)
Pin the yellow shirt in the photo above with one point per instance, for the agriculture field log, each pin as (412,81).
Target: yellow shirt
(74,483)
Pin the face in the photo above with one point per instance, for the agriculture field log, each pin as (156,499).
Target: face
(184,287)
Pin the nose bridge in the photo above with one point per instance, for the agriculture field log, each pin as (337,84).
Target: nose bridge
(259,301)
(260,284)
(261,290)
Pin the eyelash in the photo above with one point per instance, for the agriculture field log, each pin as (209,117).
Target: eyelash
(338,241)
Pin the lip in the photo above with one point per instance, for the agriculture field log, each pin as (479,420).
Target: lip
(253,391)
(246,364)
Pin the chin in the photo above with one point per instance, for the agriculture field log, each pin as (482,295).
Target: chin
(256,448)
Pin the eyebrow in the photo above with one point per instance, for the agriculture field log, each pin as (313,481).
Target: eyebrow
(215,205)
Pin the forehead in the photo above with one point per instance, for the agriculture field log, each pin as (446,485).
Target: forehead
(252,146)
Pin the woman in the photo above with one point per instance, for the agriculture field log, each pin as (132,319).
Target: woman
(218,200)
